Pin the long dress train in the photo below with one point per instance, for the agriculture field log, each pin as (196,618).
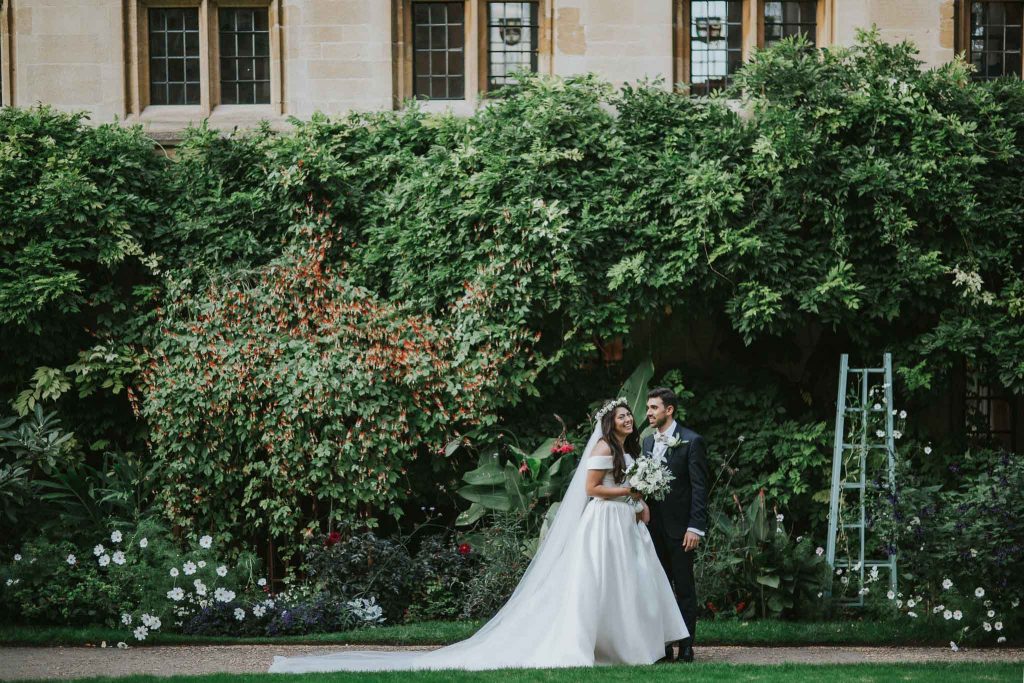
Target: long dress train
(594,593)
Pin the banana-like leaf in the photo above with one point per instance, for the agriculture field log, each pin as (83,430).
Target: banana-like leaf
(490,497)
(467,517)
(635,388)
(487,473)
(518,498)
(768,580)
(534,464)
(553,478)
(544,450)
(757,516)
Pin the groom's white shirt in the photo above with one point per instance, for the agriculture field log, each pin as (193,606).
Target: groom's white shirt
(659,454)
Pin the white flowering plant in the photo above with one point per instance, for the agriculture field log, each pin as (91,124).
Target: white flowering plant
(964,614)
(959,547)
(67,582)
(299,609)
(208,596)
(366,610)
(138,580)
(957,551)
(132,578)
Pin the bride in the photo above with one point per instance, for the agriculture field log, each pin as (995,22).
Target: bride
(594,592)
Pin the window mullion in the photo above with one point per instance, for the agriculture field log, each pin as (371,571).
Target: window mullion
(205,67)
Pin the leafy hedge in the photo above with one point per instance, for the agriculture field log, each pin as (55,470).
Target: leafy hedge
(852,202)
(78,205)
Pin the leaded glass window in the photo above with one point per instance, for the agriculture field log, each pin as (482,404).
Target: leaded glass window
(439,36)
(989,412)
(785,18)
(512,38)
(995,35)
(174,56)
(244,56)
(716,43)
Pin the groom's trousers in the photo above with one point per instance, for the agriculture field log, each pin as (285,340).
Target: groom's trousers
(678,565)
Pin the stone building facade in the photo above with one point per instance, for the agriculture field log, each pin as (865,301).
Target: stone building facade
(165,63)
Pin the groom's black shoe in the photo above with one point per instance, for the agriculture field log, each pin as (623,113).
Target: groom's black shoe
(686,651)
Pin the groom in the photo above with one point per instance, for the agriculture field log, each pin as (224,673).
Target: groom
(680,520)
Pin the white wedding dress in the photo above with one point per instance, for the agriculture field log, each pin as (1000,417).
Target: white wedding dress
(594,593)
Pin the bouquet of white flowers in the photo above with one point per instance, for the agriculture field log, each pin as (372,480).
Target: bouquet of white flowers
(649,477)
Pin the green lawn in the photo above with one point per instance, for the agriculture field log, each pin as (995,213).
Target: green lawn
(441,633)
(787,673)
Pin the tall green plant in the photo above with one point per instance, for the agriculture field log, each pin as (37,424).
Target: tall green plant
(30,450)
(524,482)
(120,492)
(757,568)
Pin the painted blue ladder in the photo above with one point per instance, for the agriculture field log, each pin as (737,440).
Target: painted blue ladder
(864,443)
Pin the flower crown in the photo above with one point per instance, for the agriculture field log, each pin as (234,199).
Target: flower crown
(611,405)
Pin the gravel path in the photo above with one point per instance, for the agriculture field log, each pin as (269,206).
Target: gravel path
(76,662)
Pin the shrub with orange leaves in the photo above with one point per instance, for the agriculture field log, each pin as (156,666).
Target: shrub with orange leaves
(294,396)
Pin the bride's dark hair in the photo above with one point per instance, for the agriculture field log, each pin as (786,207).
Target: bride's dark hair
(631,444)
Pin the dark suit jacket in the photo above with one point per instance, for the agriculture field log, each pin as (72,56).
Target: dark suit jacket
(686,503)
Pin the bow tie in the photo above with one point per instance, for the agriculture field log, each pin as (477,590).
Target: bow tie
(662,438)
